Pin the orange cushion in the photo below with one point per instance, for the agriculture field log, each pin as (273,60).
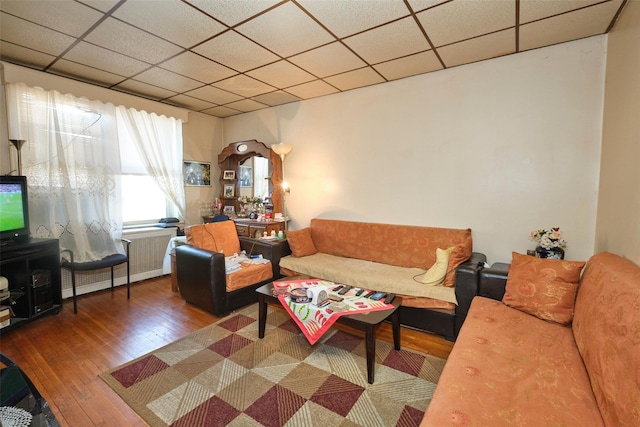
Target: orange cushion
(543,287)
(400,245)
(215,237)
(249,274)
(461,252)
(301,243)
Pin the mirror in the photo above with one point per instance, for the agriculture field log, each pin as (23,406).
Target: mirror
(253,176)
(250,168)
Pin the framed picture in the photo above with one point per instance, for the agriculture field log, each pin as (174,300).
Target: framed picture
(196,173)
(246,176)
(229,191)
(229,210)
(230,174)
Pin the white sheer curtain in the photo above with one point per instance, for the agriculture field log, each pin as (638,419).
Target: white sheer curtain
(72,162)
(158,140)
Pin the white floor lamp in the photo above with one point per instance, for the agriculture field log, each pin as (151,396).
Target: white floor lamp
(282,150)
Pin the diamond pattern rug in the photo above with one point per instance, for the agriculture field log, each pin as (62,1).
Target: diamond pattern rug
(224,375)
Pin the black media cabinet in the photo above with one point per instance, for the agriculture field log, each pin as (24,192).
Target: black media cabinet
(32,268)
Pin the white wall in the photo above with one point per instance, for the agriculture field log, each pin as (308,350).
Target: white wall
(202,142)
(502,146)
(618,225)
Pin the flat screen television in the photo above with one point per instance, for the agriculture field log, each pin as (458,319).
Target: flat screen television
(14,208)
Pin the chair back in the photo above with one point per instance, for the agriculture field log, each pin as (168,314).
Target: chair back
(215,237)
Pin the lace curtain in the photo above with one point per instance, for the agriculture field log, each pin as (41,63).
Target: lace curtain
(158,141)
(72,163)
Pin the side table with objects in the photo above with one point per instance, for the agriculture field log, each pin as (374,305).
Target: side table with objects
(359,312)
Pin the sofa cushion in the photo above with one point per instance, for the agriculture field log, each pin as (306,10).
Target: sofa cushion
(301,243)
(399,245)
(606,327)
(543,287)
(508,368)
(368,275)
(435,275)
(460,253)
(215,237)
(249,274)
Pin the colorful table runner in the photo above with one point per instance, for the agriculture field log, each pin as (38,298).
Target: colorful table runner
(314,321)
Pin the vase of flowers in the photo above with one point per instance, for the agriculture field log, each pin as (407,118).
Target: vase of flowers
(550,243)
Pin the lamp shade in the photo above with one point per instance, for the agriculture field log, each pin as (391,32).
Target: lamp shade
(282,149)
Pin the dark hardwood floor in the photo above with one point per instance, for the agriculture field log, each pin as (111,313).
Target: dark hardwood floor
(64,354)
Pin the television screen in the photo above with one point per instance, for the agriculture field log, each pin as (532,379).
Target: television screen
(14,208)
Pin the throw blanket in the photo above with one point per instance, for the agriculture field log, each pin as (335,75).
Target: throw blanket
(314,321)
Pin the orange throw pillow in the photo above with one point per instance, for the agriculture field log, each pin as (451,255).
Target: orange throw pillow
(545,288)
(461,252)
(301,243)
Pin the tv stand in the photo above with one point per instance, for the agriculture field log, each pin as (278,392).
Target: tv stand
(32,267)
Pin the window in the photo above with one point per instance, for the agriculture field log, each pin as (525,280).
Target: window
(142,201)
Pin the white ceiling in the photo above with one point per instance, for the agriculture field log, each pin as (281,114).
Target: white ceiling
(226,57)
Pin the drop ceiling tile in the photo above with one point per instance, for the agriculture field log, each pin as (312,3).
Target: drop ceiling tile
(285,30)
(143,89)
(244,86)
(459,20)
(235,51)
(101,5)
(312,89)
(350,17)
(420,5)
(390,41)
(169,80)
(221,111)
(423,62)
(354,79)
(84,73)
(197,67)
(479,48)
(169,20)
(327,60)
(22,55)
(276,98)
(246,105)
(54,14)
(570,26)
(532,10)
(131,41)
(97,57)
(232,12)
(23,33)
(213,95)
(281,74)
(190,102)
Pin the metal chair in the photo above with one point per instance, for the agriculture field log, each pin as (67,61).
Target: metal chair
(110,261)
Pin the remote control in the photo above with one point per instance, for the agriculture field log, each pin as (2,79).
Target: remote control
(368,294)
(378,296)
(344,290)
(389,298)
(360,291)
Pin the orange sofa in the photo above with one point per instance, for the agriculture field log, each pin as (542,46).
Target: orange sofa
(546,349)
(393,258)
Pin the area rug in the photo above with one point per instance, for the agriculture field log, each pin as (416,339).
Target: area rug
(224,375)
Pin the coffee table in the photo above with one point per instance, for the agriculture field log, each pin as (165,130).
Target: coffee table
(367,322)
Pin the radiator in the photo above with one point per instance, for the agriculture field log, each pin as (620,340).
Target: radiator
(146,255)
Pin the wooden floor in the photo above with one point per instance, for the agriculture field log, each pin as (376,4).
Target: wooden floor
(64,354)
